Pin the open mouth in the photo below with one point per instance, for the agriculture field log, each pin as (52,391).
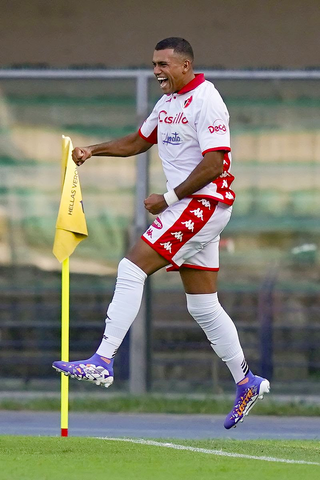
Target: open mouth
(163,81)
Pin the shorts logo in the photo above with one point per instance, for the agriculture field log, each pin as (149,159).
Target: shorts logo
(172,139)
(218,127)
(205,202)
(167,246)
(184,227)
(187,102)
(189,224)
(229,195)
(178,235)
(198,213)
(157,223)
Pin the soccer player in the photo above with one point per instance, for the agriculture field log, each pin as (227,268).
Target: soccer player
(190,125)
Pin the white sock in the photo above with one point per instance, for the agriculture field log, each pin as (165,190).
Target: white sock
(220,331)
(123,308)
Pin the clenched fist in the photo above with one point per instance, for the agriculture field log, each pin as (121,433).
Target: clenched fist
(80,155)
(155,203)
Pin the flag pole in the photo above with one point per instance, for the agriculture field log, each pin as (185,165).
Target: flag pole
(71,229)
(65,294)
(64,345)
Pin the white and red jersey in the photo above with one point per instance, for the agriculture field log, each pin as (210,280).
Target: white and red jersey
(186,125)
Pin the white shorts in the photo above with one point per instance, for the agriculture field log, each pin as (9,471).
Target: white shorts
(188,232)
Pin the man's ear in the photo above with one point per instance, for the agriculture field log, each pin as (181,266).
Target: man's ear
(186,65)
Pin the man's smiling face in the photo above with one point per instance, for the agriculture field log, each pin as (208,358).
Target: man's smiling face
(172,70)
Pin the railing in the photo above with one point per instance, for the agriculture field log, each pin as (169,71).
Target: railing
(278,202)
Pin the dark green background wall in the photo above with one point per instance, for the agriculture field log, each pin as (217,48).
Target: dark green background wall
(225,33)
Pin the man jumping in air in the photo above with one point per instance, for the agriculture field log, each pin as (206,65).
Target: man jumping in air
(190,124)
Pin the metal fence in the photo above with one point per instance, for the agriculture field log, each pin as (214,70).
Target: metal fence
(269,279)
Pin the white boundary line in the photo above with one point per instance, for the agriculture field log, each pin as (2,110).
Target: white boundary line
(205,450)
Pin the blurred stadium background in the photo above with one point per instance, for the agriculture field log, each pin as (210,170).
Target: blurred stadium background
(269,279)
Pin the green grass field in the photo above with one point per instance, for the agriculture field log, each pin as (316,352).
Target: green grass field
(54,458)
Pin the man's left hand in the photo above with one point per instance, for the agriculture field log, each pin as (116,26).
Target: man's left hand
(155,203)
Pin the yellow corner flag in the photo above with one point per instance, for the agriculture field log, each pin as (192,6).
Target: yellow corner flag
(71,226)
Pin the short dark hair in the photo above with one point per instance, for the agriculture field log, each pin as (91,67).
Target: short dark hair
(178,44)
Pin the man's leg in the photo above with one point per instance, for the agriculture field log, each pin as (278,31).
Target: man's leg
(203,304)
(133,270)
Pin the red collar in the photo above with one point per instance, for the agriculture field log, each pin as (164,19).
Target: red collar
(199,78)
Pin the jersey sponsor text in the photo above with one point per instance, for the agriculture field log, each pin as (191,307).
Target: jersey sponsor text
(178,118)
(218,127)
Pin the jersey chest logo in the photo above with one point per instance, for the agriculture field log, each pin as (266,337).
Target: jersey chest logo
(187,102)
(172,138)
(172,119)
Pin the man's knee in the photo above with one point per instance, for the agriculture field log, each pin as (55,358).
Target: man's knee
(146,258)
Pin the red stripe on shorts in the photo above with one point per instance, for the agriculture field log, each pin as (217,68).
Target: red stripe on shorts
(191,221)
(176,268)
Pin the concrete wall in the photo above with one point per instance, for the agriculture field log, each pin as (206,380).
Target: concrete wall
(224,33)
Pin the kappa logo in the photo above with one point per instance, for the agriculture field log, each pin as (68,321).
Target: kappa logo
(205,203)
(167,246)
(187,102)
(189,224)
(229,195)
(198,213)
(178,235)
(218,127)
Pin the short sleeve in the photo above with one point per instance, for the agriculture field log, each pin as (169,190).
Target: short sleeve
(149,128)
(213,123)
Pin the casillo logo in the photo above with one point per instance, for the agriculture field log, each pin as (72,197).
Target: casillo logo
(178,118)
(218,127)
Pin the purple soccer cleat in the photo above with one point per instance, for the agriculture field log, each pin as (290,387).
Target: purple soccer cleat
(96,369)
(251,389)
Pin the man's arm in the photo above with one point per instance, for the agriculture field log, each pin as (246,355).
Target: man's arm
(122,147)
(208,170)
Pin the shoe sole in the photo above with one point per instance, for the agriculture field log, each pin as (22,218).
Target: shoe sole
(263,389)
(105,382)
